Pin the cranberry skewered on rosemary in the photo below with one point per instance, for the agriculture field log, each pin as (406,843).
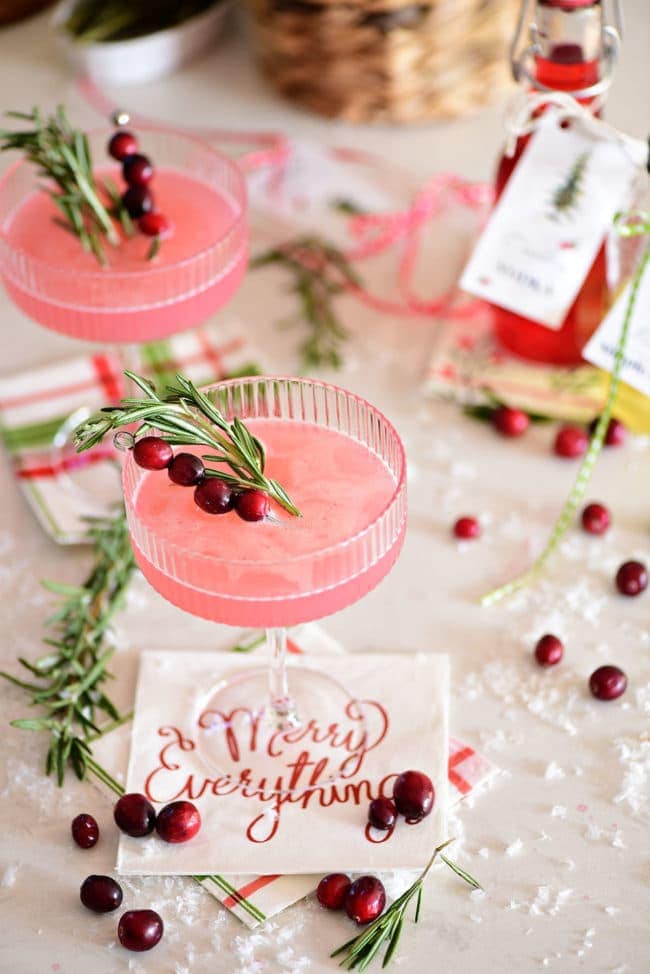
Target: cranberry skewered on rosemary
(186,416)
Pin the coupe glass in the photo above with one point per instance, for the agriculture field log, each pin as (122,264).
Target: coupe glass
(273,587)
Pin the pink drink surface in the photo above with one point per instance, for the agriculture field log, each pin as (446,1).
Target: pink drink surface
(280,571)
(132,299)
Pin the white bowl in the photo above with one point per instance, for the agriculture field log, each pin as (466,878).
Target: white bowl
(141,59)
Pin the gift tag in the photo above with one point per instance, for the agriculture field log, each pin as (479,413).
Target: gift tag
(545,232)
(601,348)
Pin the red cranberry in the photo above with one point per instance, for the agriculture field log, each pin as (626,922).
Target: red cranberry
(332,890)
(414,795)
(615,434)
(178,822)
(155,225)
(596,518)
(214,496)
(100,894)
(140,929)
(152,453)
(122,144)
(510,422)
(570,441)
(382,814)
(135,815)
(85,831)
(549,650)
(137,170)
(186,470)
(365,899)
(137,201)
(607,683)
(467,528)
(252,505)
(632,578)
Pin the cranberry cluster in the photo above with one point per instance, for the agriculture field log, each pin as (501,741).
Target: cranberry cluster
(137,171)
(605,683)
(135,815)
(363,900)
(570,440)
(413,797)
(211,494)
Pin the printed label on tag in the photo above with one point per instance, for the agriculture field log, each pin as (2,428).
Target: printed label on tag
(601,347)
(544,234)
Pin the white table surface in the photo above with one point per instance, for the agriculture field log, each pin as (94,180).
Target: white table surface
(563,832)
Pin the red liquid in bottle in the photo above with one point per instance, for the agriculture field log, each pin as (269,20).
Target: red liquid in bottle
(565,72)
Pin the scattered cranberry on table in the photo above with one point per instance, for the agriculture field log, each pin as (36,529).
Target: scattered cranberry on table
(101,894)
(632,578)
(137,201)
(140,929)
(571,442)
(186,470)
(178,822)
(137,170)
(510,422)
(122,144)
(152,453)
(252,505)
(596,518)
(135,815)
(616,433)
(85,831)
(414,795)
(607,682)
(467,528)
(155,225)
(214,496)
(382,814)
(549,650)
(332,891)
(365,899)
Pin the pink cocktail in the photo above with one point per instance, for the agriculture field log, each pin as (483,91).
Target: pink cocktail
(343,465)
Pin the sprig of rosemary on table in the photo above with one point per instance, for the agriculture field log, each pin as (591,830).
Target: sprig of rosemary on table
(66,681)
(386,930)
(61,154)
(185,416)
(320,273)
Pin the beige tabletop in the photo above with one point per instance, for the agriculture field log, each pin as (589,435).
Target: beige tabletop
(559,840)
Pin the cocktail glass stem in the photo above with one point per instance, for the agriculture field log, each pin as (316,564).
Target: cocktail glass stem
(282,709)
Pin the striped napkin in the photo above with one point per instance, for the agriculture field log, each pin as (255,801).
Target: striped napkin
(254,899)
(40,407)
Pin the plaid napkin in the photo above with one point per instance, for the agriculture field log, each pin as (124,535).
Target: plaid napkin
(39,408)
(255,899)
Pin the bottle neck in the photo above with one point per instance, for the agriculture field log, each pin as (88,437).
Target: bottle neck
(569,44)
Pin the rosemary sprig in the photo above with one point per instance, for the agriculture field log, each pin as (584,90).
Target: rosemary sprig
(387,928)
(66,681)
(186,416)
(320,273)
(62,155)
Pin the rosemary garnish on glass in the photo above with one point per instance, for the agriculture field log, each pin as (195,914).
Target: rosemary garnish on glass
(185,416)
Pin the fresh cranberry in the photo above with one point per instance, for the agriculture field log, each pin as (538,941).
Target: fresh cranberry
(615,434)
(510,422)
(365,899)
(137,170)
(632,578)
(137,201)
(332,890)
(100,894)
(252,505)
(596,518)
(186,470)
(607,683)
(135,815)
(467,528)
(178,822)
(382,813)
(122,144)
(155,225)
(85,831)
(140,929)
(214,496)
(152,453)
(570,441)
(414,795)
(549,650)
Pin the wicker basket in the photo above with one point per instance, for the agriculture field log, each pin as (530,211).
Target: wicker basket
(385,60)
